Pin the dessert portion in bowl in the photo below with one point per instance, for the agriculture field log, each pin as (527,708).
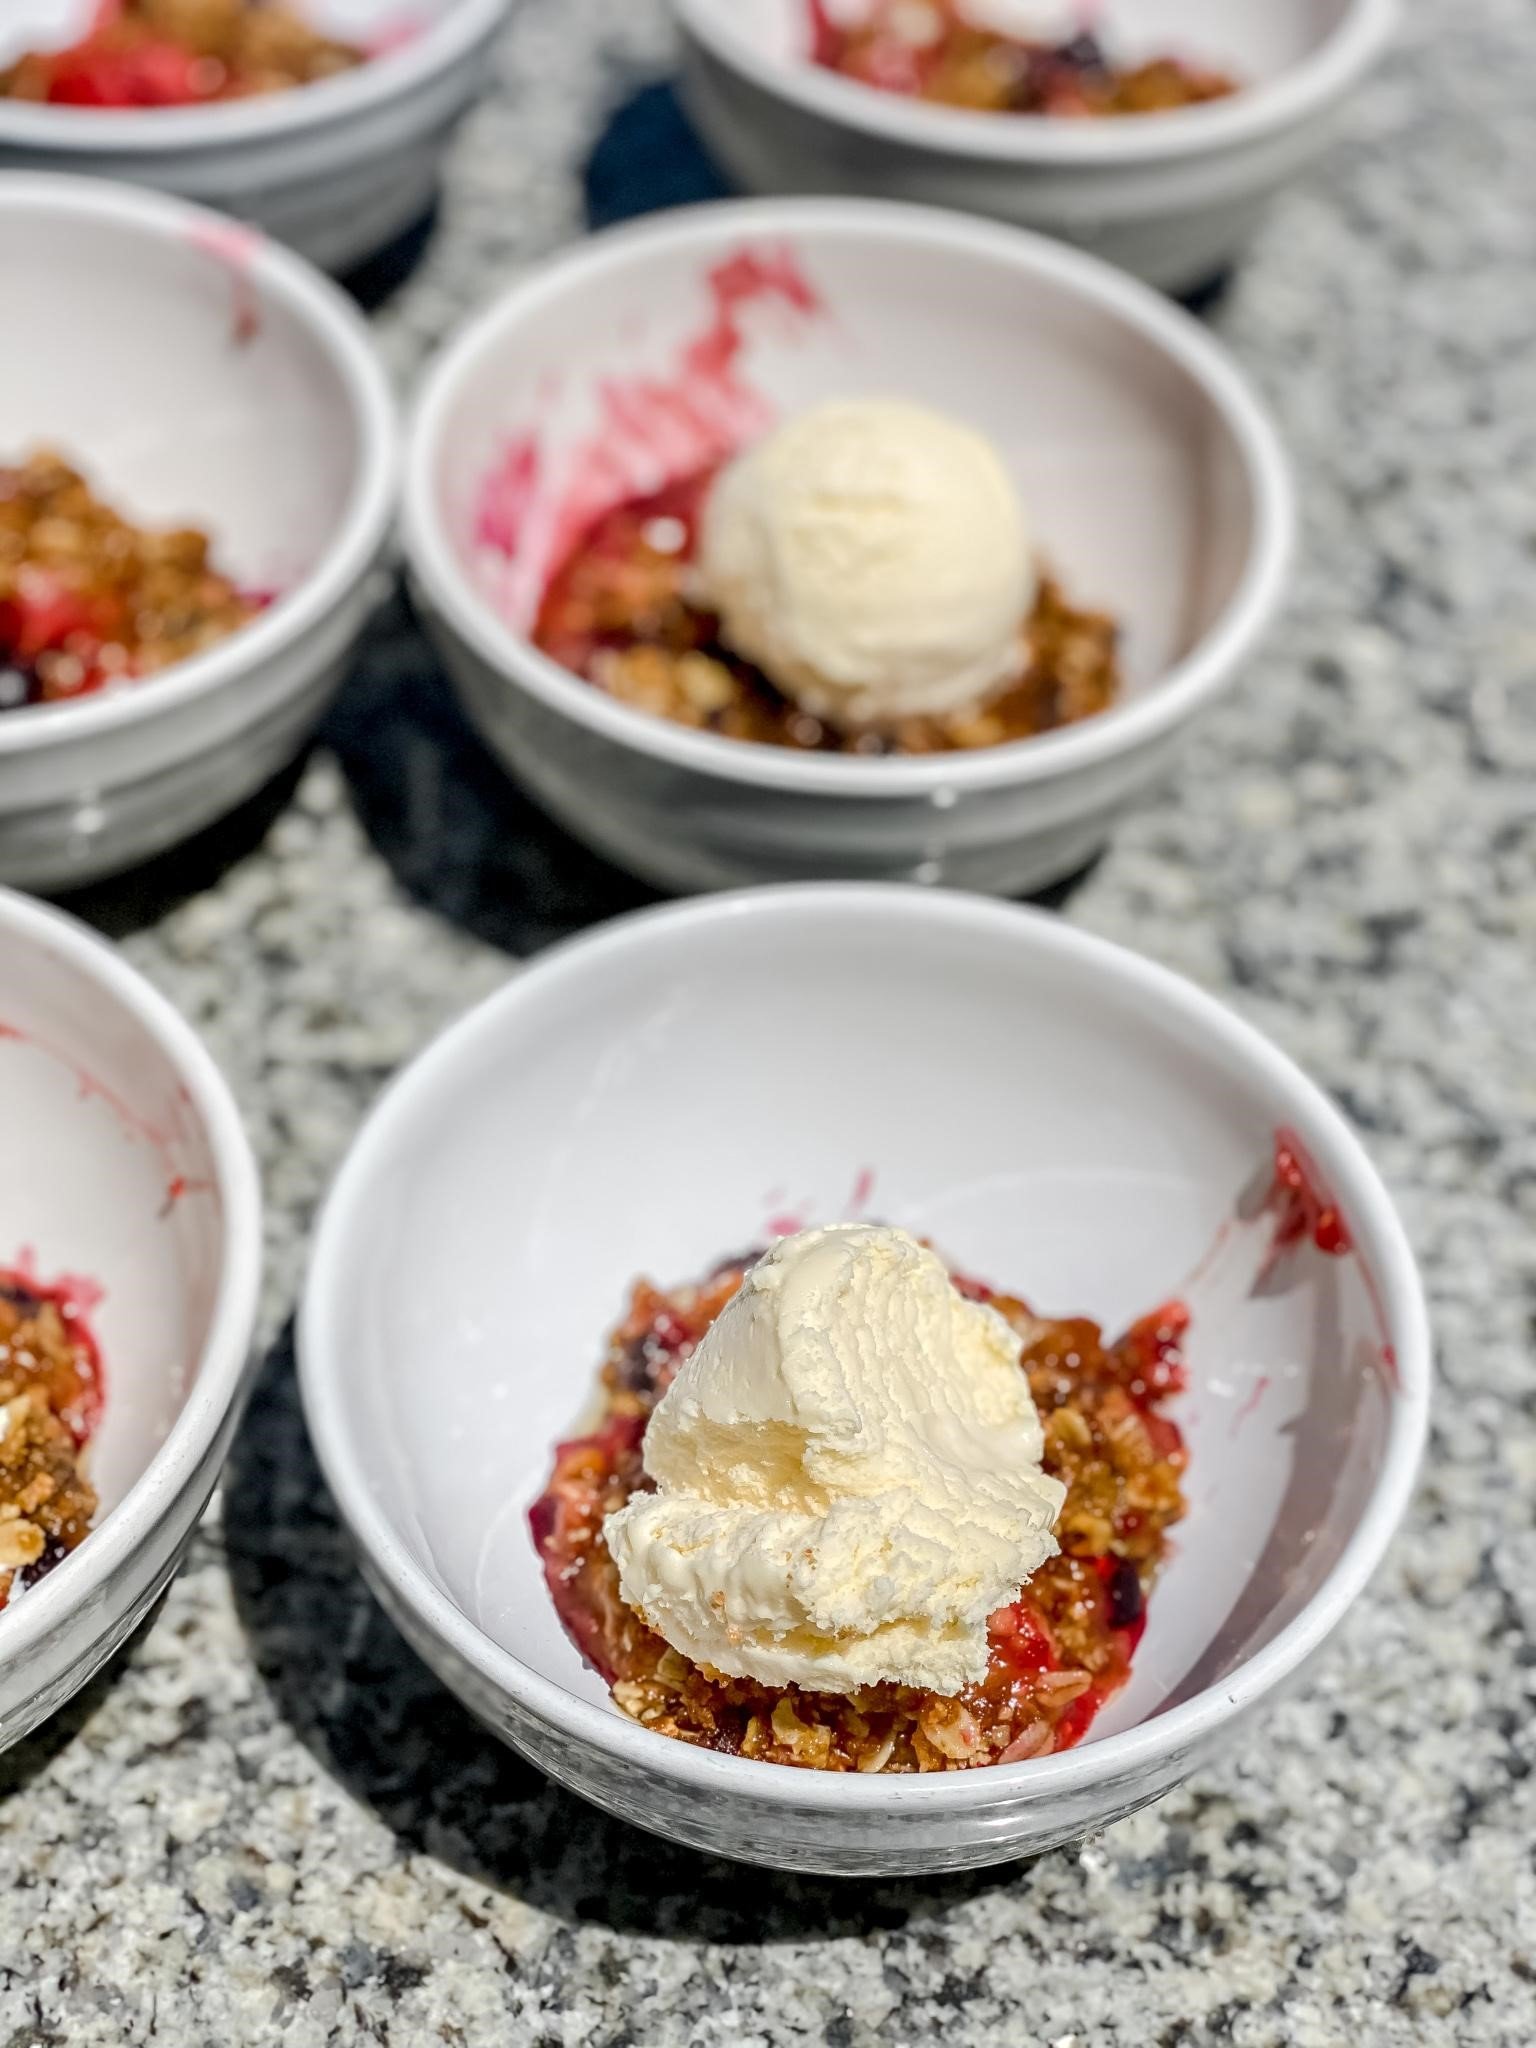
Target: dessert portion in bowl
(88,600)
(323,122)
(959,53)
(51,1391)
(1153,132)
(959,528)
(861,580)
(846,1511)
(179,53)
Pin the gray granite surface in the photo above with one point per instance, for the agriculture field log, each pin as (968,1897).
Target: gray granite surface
(267,1823)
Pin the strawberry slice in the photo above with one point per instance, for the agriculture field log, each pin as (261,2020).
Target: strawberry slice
(1021,1638)
(44,612)
(147,74)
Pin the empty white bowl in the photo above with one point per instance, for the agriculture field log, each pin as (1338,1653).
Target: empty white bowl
(198,374)
(1154,480)
(336,169)
(1171,197)
(126,1168)
(1058,1115)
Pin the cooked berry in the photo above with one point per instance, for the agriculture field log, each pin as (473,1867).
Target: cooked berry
(88,600)
(1127,1602)
(177,53)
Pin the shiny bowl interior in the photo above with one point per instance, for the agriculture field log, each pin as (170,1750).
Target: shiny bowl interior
(1057,1115)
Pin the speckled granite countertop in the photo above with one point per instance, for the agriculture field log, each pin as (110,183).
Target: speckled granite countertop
(267,1823)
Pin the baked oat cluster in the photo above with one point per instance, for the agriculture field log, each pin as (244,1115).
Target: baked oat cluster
(1057,1654)
(167,53)
(50,1394)
(88,599)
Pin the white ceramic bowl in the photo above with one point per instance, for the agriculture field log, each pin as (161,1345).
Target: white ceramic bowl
(126,1166)
(1172,198)
(337,169)
(198,374)
(1057,1114)
(1156,484)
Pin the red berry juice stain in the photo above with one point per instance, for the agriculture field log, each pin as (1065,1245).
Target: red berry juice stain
(178,1186)
(235,247)
(92,1089)
(652,431)
(1303,1217)
(397,34)
(1250,1404)
(507,496)
(786,1222)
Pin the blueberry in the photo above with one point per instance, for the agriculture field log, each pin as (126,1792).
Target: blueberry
(54,1552)
(1084,53)
(1126,1601)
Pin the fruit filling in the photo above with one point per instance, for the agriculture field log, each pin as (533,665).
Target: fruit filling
(180,53)
(1054,1655)
(50,1401)
(87,599)
(933,50)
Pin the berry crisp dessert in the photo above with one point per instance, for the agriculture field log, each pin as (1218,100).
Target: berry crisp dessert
(88,600)
(1053,1655)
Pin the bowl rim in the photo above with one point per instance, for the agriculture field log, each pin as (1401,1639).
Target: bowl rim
(1254,114)
(324,310)
(85,1577)
(272,118)
(1123,729)
(911,910)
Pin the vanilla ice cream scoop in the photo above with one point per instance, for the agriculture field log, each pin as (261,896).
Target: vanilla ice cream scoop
(847,1473)
(871,558)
